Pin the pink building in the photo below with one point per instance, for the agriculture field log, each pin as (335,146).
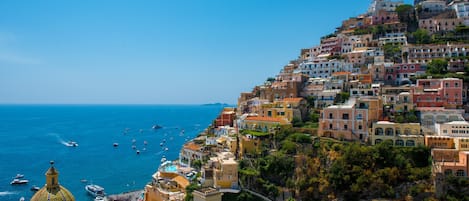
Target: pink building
(331,45)
(445,92)
(400,74)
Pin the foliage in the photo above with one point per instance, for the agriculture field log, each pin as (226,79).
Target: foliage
(421,36)
(392,52)
(189,190)
(342,97)
(197,164)
(254,133)
(270,79)
(437,66)
(457,188)
(296,122)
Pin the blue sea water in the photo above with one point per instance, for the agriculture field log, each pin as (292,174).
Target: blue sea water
(33,135)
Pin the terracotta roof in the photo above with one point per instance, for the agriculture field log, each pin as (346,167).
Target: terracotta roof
(192,146)
(183,182)
(268,119)
(342,73)
(292,99)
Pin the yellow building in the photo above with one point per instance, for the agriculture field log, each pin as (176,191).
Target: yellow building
(166,186)
(225,171)
(264,124)
(288,108)
(401,134)
(207,194)
(53,191)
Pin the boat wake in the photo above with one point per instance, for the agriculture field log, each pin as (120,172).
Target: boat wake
(62,141)
(5,193)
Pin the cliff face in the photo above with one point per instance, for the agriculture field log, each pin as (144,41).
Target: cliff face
(324,169)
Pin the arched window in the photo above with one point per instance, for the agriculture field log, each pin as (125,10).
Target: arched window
(379,131)
(460,173)
(398,131)
(410,143)
(399,142)
(389,131)
(377,141)
(448,172)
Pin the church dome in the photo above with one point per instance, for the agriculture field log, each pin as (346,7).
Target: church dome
(52,191)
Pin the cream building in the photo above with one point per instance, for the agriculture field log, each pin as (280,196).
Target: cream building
(402,134)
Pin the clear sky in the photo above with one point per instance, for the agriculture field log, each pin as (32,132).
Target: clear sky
(154,51)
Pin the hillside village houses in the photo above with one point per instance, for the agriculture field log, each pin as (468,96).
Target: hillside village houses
(368,82)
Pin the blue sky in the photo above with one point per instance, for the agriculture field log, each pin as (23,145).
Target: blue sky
(154,51)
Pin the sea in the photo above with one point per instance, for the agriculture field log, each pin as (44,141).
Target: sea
(33,135)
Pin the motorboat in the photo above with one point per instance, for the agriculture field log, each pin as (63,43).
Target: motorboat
(138,151)
(145,142)
(156,126)
(34,188)
(71,144)
(95,190)
(22,199)
(19,176)
(163,160)
(19,181)
(115,144)
(99,198)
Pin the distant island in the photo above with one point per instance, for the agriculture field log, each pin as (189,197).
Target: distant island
(216,104)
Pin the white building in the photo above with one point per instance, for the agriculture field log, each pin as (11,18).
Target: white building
(433,5)
(430,116)
(462,10)
(453,129)
(323,68)
(393,38)
(387,5)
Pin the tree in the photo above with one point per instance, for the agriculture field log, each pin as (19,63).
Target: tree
(437,66)
(421,36)
(197,164)
(392,52)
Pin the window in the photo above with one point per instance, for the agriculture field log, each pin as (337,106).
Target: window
(448,172)
(456,84)
(410,143)
(330,126)
(345,127)
(399,142)
(379,131)
(389,131)
(398,131)
(360,127)
(460,173)
(377,141)
(330,116)
(345,116)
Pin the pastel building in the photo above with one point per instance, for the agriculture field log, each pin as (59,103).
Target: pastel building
(166,186)
(399,39)
(401,134)
(350,121)
(387,5)
(399,74)
(191,152)
(434,25)
(431,116)
(263,124)
(383,16)
(462,10)
(401,102)
(445,92)
(207,194)
(453,129)
(425,53)
(226,117)
(225,170)
(323,68)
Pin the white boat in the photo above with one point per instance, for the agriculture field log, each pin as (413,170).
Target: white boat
(19,181)
(99,198)
(156,126)
(22,199)
(34,188)
(19,176)
(115,144)
(71,144)
(95,190)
